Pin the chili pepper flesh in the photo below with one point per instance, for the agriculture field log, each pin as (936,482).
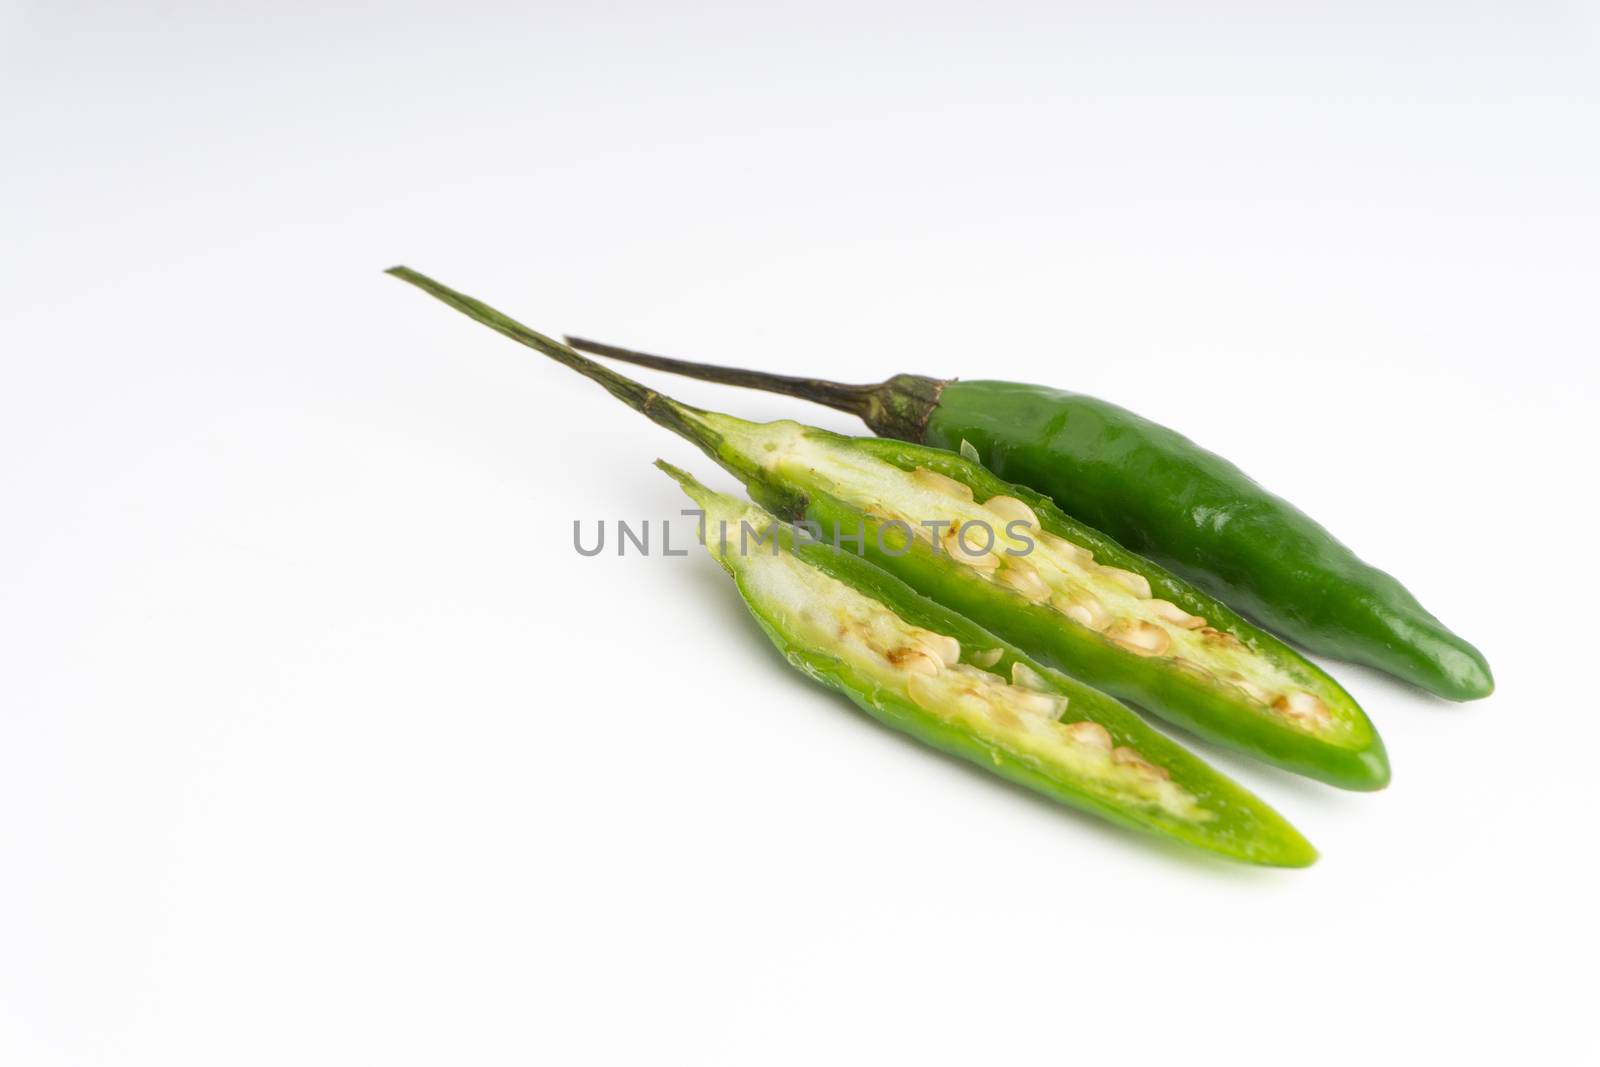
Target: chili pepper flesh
(1069,596)
(920,669)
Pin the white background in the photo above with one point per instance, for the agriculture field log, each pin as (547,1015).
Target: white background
(319,743)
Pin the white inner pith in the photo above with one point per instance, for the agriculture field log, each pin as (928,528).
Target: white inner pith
(1054,573)
(1022,717)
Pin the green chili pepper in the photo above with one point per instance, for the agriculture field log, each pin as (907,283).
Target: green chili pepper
(922,669)
(1163,496)
(1011,561)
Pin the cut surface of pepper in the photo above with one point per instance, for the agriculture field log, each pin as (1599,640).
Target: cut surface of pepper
(1008,559)
(1159,494)
(921,669)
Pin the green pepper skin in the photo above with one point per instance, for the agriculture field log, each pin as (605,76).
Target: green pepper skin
(1206,706)
(1161,495)
(1242,827)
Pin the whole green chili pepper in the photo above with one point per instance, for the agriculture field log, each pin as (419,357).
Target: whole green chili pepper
(1161,495)
(1061,591)
(922,669)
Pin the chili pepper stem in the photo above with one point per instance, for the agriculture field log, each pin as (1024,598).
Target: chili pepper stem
(837,395)
(899,407)
(680,418)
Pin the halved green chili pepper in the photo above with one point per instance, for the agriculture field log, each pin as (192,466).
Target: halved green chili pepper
(1065,593)
(1161,495)
(923,670)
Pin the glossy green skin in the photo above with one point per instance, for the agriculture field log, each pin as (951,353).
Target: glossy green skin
(1163,496)
(1244,828)
(1194,703)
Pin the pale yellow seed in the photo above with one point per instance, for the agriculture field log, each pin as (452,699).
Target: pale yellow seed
(1170,612)
(988,657)
(1028,678)
(1011,509)
(947,650)
(1138,636)
(1091,734)
(937,482)
(1046,705)
(1083,609)
(1021,576)
(1137,584)
(914,660)
(1127,757)
(963,549)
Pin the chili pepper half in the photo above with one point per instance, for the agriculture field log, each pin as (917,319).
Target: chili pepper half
(1011,561)
(923,670)
(1160,494)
